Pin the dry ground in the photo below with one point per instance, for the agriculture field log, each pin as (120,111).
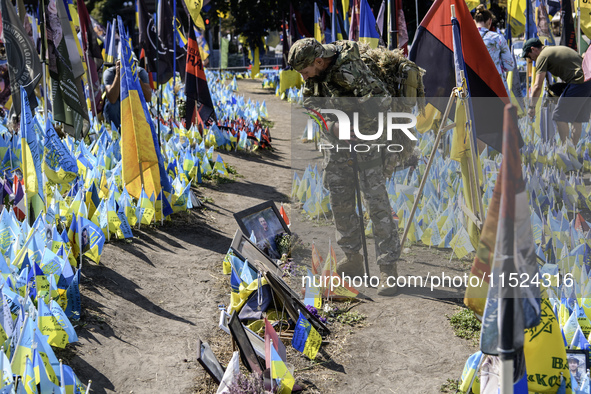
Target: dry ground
(150,300)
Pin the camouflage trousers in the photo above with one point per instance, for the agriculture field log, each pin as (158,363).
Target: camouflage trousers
(340,180)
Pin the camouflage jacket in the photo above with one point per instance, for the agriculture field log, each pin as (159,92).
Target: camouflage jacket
(347,76)
(349,85)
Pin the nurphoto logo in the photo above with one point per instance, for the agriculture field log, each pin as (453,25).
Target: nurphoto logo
(392,120)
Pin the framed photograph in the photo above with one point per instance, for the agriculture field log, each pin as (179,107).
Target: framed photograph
(244,249)
(209,361)
(578,363)
(266,223)
(247,353)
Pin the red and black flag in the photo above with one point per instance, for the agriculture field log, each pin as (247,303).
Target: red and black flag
(196,89)
(568,37)
(433,50)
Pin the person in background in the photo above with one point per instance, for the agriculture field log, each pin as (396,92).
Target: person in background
(574,104)
(495,43)
(112,82)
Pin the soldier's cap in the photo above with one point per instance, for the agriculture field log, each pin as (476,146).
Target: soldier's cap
(303,53)
(529,44)
(574,358)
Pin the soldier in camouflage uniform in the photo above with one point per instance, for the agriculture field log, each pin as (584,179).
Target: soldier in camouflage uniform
(336,71)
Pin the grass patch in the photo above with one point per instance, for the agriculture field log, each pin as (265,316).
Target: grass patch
(221,179)
(351,318)
(465,324)
(231,169)
(451,386)
(207,199)
(344,314)
(267,123)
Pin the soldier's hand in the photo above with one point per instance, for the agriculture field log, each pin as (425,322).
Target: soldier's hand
(531,112)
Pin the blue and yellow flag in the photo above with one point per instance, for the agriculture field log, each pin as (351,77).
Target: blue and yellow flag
(139,144)
(92,239)
(110,43)
(48,325)
(318,25)
(280,372)
(30,161)
(367,26)
(60,166)
(305,338)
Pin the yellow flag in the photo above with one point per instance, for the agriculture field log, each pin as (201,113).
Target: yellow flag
(426,120)
(289,79)
(137,146)
(318,33)
(194,7)
(545,354)
(516,11)
(472,4)
(461,151)
(256,63)
(585,16)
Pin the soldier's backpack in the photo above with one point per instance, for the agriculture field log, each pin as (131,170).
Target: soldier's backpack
(403,78)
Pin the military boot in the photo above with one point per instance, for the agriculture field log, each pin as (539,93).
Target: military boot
(386,271)
(351,265)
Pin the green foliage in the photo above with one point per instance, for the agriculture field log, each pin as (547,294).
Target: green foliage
(181,104)
(207,200)
(218,178)
(231,169)
(451,386)
(267,123)
(283,242)
(465,324)
(343,315)
(351,318)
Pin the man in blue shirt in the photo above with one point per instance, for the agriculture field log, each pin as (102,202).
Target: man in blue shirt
(112,82)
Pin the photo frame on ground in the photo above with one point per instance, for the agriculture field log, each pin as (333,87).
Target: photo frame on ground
(265,221)
(247,353)
(578,364)
(293,304)
(257,342)
(209,361)
(244,249)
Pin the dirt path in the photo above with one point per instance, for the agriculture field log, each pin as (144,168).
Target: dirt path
(149,301)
